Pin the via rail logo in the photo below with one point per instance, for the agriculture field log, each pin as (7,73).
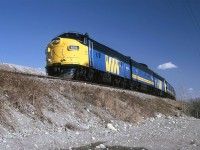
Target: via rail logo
(112,65)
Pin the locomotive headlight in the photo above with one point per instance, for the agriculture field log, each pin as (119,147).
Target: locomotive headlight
(73,47)
(48,50)
(49,60)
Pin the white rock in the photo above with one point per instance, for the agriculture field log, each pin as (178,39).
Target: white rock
(151,119)
(125,126)
(158,115)
(59,130)
(136,138)
(93,138)
(168,117)
(97,147)
(110,126)
(102,146)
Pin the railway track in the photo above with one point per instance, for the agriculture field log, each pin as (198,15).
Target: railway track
(63,79)
(75,81)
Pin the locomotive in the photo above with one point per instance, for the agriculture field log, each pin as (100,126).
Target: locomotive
(77,56)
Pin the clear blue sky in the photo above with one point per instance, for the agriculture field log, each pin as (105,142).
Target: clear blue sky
(154,32)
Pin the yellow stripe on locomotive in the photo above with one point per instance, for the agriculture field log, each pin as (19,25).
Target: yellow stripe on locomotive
(142,79)
(67,51)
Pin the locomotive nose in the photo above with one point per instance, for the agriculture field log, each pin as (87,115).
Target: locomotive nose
(55,51)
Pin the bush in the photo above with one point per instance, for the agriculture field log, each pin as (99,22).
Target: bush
(193,108)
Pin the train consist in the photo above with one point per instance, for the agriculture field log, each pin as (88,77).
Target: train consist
(77,56)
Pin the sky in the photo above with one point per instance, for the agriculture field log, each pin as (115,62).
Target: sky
(164,34)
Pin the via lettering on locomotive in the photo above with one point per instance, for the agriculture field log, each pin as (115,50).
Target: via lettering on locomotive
(112,65)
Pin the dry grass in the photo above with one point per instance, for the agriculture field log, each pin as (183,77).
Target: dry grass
(28,95)
(5,116)
(24,94)
(192,107)
(123,105)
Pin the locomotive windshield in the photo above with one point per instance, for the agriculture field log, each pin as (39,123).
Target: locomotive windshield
(75,36)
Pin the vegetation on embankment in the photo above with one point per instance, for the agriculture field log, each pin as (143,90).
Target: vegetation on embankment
(31,95)
(192,107)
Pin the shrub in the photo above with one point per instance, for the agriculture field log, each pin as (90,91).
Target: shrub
(192,107)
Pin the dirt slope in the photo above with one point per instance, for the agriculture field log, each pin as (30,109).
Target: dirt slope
(49,114)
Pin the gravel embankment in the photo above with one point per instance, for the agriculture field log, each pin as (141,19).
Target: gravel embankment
(166,133)
(54,114)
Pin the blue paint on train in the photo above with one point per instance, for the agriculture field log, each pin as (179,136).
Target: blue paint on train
(115,65)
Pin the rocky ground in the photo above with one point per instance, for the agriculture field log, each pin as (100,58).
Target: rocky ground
(54,114)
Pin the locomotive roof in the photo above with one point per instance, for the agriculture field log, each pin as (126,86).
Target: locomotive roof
(110,52)
(76,36)
(141,66)
(158,76)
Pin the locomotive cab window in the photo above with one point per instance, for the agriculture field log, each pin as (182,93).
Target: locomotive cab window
(85,40)
(75,36)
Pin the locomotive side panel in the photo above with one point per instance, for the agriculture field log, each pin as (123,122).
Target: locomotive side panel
(170,90)
(142,74)
(106,63)
(139,75)
(98,62)
(159,84)
(110,61)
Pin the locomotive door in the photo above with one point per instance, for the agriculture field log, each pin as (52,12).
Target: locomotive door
(90,53)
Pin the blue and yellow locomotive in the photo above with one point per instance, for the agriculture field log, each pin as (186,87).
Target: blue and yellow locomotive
(77,56)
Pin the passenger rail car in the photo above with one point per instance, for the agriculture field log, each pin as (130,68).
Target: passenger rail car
(77,56)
